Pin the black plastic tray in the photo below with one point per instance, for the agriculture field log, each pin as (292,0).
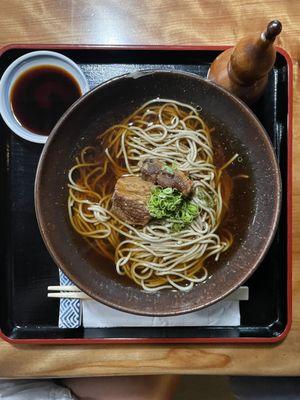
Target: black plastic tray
(27,268)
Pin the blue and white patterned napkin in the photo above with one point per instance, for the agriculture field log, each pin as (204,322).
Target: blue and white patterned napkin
(69,309)
(97,315)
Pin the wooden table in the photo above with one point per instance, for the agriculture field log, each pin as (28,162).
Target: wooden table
(159,22)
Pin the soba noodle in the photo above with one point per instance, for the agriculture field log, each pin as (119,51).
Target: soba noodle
(154,256)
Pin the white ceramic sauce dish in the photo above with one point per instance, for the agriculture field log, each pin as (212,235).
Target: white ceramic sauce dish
(19,67)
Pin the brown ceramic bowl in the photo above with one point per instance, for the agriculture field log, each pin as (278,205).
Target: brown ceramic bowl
(255,205)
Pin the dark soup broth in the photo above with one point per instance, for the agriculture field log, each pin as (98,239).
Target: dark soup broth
(41,95)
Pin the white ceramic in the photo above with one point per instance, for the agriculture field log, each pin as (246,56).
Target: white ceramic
(29,60)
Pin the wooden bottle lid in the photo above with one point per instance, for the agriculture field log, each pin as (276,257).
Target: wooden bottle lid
(273,29)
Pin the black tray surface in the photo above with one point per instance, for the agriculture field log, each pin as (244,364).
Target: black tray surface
(27,268)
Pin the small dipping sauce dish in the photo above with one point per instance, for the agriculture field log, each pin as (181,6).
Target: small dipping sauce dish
(35,91)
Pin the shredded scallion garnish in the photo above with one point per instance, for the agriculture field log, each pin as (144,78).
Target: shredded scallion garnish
(170,205)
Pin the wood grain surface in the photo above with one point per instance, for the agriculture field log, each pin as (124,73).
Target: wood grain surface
(194,22)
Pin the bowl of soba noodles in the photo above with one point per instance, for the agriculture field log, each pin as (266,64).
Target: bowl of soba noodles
(158,193)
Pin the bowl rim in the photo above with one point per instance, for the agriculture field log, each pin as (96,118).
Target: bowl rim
(12,73)
(277,198)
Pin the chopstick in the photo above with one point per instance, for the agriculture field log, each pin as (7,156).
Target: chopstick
(67,288)
(73,292)
(70,295)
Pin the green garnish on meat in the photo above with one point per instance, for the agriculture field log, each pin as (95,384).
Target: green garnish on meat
(168,169)
(169,204)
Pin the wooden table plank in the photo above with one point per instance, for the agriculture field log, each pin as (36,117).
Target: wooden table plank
(159,22)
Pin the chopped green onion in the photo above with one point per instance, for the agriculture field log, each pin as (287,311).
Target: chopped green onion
(170,205)
(168,169)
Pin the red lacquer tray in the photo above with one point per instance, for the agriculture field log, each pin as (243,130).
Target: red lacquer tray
(28,316)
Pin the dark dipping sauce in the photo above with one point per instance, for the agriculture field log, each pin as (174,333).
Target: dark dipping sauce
(41,95)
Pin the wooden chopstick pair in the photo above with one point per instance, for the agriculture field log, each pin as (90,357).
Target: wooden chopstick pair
(72,292)
(67,292)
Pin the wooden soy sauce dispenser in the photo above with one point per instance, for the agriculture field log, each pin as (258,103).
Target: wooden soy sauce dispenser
(243,70)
